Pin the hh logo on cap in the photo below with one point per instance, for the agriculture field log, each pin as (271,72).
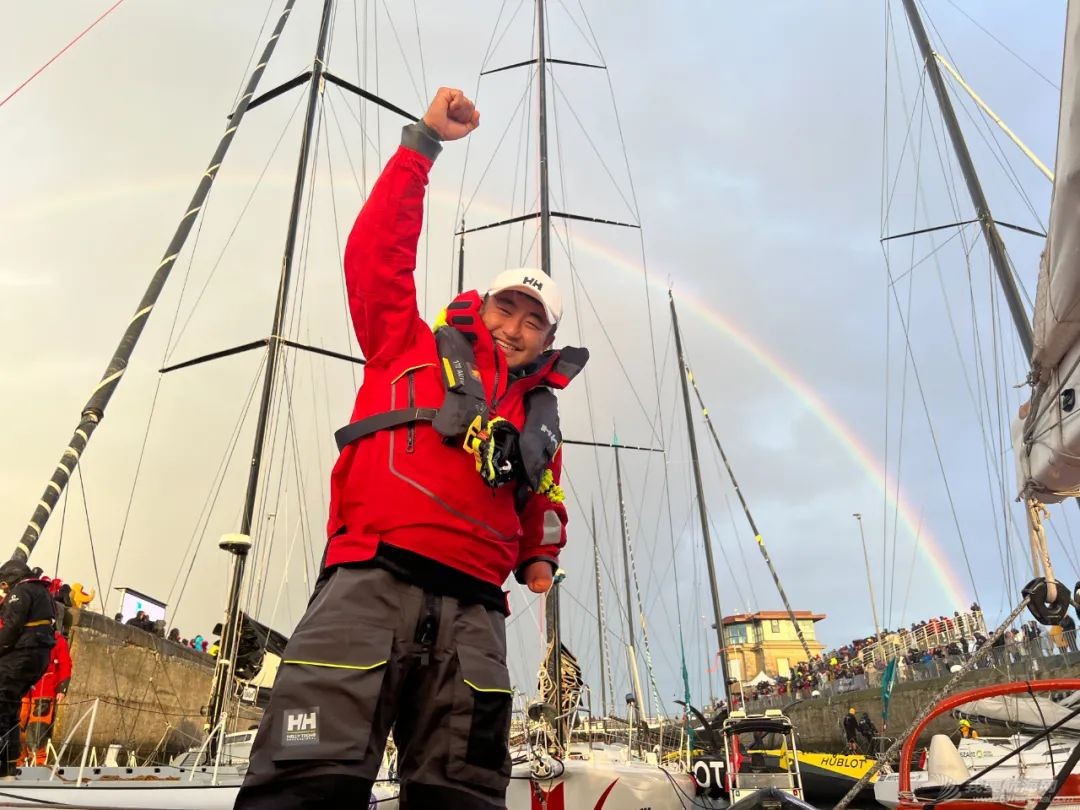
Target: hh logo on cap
(300,726)
(533,282)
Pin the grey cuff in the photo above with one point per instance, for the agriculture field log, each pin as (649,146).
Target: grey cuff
(421,138)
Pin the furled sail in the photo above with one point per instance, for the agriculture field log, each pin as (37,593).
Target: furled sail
(1021,710)
(1047,433)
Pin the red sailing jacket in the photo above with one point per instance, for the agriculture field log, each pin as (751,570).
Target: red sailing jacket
(404,486)
(58,674)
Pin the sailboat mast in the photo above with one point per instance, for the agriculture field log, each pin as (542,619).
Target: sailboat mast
(94,410)
(545,265)
(692,438)
(541,120)
(230,636)
(982,209)
(749,517)
(599,623)
(461,260)
(635,677)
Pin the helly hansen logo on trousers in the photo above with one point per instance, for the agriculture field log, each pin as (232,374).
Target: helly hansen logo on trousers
(300,726)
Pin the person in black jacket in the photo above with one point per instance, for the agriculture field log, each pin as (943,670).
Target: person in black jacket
(27,628)
(851,731)
(868,730)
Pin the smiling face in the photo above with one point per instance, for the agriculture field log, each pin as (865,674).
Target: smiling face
(518,326)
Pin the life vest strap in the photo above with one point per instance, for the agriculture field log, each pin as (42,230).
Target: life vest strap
(38,623)
(381,421)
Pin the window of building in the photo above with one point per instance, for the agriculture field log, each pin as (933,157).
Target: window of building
(736,633)
(783,667)
(774,627)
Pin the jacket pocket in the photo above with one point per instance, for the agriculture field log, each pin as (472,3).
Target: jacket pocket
(480,721)
(410,442)
(407,398)
(327,692)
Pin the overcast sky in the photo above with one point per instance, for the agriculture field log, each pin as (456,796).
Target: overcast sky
(760,142)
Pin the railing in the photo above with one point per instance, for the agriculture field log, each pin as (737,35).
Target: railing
(1030,658)
(934,634)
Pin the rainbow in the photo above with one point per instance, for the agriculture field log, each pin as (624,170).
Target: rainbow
(930,548)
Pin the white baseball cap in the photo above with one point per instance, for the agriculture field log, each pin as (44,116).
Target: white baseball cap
(533,283)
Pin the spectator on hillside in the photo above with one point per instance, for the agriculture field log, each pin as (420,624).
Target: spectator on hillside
(142,621)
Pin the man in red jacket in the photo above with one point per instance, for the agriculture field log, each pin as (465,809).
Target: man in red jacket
(40,703)
(446,484)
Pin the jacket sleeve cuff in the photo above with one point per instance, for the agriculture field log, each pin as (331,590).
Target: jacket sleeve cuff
(519,572)
(421,138)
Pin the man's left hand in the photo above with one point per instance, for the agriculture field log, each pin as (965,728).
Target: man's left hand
(538,576)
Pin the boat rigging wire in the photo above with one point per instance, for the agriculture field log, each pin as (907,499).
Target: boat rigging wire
(89,533)
(60,538)
(346,331)
(1017,56)
(174,343)
(936,446)
(992,142)
(758,538)
(203,519)
(59,53)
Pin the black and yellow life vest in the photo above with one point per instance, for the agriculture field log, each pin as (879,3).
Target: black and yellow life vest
(503,453)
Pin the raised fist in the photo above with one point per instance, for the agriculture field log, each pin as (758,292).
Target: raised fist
(451,114)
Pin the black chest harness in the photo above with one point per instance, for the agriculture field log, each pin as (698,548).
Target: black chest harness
(503,454)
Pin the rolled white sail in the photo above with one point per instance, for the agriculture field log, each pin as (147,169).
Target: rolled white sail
(1047,442)
(1057,302)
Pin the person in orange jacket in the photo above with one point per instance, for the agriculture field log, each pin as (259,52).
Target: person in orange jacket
(39,704)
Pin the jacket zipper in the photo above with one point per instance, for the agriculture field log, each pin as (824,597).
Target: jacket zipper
(411,441)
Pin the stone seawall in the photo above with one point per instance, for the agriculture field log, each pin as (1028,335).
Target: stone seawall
(151,693)
(818,720)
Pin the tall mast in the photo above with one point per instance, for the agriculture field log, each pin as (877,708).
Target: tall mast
(545,265)
(692,438)
(461,260)
(239,550)
(94,409)
(600,623)
(545,201)
(978,199)
(749,517)
(635,677)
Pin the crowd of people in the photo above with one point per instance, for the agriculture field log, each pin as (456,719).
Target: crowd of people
(927,648)
(142,621)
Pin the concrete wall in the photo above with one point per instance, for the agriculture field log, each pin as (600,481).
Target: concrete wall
(151,692)
(818,720)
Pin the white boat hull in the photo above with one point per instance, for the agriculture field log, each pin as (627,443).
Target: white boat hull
(588,785)
(593,785)
(146,788)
